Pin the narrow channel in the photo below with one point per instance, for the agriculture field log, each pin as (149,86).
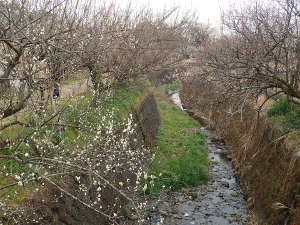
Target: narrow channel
(220,202)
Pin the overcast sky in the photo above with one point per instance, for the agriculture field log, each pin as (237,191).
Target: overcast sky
(209,11)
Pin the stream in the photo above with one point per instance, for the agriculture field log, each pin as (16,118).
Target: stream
(220,202)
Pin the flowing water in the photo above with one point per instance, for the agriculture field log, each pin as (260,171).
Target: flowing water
(220,202)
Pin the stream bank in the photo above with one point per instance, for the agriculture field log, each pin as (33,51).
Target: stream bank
(220,202)
(265,161)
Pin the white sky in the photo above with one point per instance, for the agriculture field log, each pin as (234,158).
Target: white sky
(208,11)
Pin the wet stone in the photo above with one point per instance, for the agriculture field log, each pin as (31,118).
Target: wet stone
(225,184)
(186,208)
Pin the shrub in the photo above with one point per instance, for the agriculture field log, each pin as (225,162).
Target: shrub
(280,107)
(285,115)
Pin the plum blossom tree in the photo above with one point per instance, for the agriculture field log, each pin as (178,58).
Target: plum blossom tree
(29,30)
(41,41)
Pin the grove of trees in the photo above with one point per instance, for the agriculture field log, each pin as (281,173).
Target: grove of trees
(258,51)
(44,43)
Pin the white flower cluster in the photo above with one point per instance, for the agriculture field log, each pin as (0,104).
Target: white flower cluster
(110,160)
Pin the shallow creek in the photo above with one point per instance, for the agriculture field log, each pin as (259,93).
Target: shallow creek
(220,202)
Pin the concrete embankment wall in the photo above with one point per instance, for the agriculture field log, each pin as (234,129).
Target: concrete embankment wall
(266,165)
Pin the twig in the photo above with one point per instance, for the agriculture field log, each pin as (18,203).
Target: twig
(90,172)
(77,199)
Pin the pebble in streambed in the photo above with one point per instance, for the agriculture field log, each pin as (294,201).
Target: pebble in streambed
(221,202)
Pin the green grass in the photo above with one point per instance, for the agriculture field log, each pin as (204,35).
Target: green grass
(280,107)
(173,86)
(124,98)
(181,159)
(176,86)
(14,195)
(285,115)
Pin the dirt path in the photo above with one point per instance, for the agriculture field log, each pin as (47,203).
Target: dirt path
(69,90)
(221,202)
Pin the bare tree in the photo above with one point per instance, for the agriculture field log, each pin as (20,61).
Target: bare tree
(260,51)
(194,37)
(29,33)
(121,44)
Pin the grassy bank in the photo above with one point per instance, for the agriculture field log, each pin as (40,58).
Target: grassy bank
(180,159)
(265,165)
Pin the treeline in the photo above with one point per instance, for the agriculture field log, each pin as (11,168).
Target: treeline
(44,41)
